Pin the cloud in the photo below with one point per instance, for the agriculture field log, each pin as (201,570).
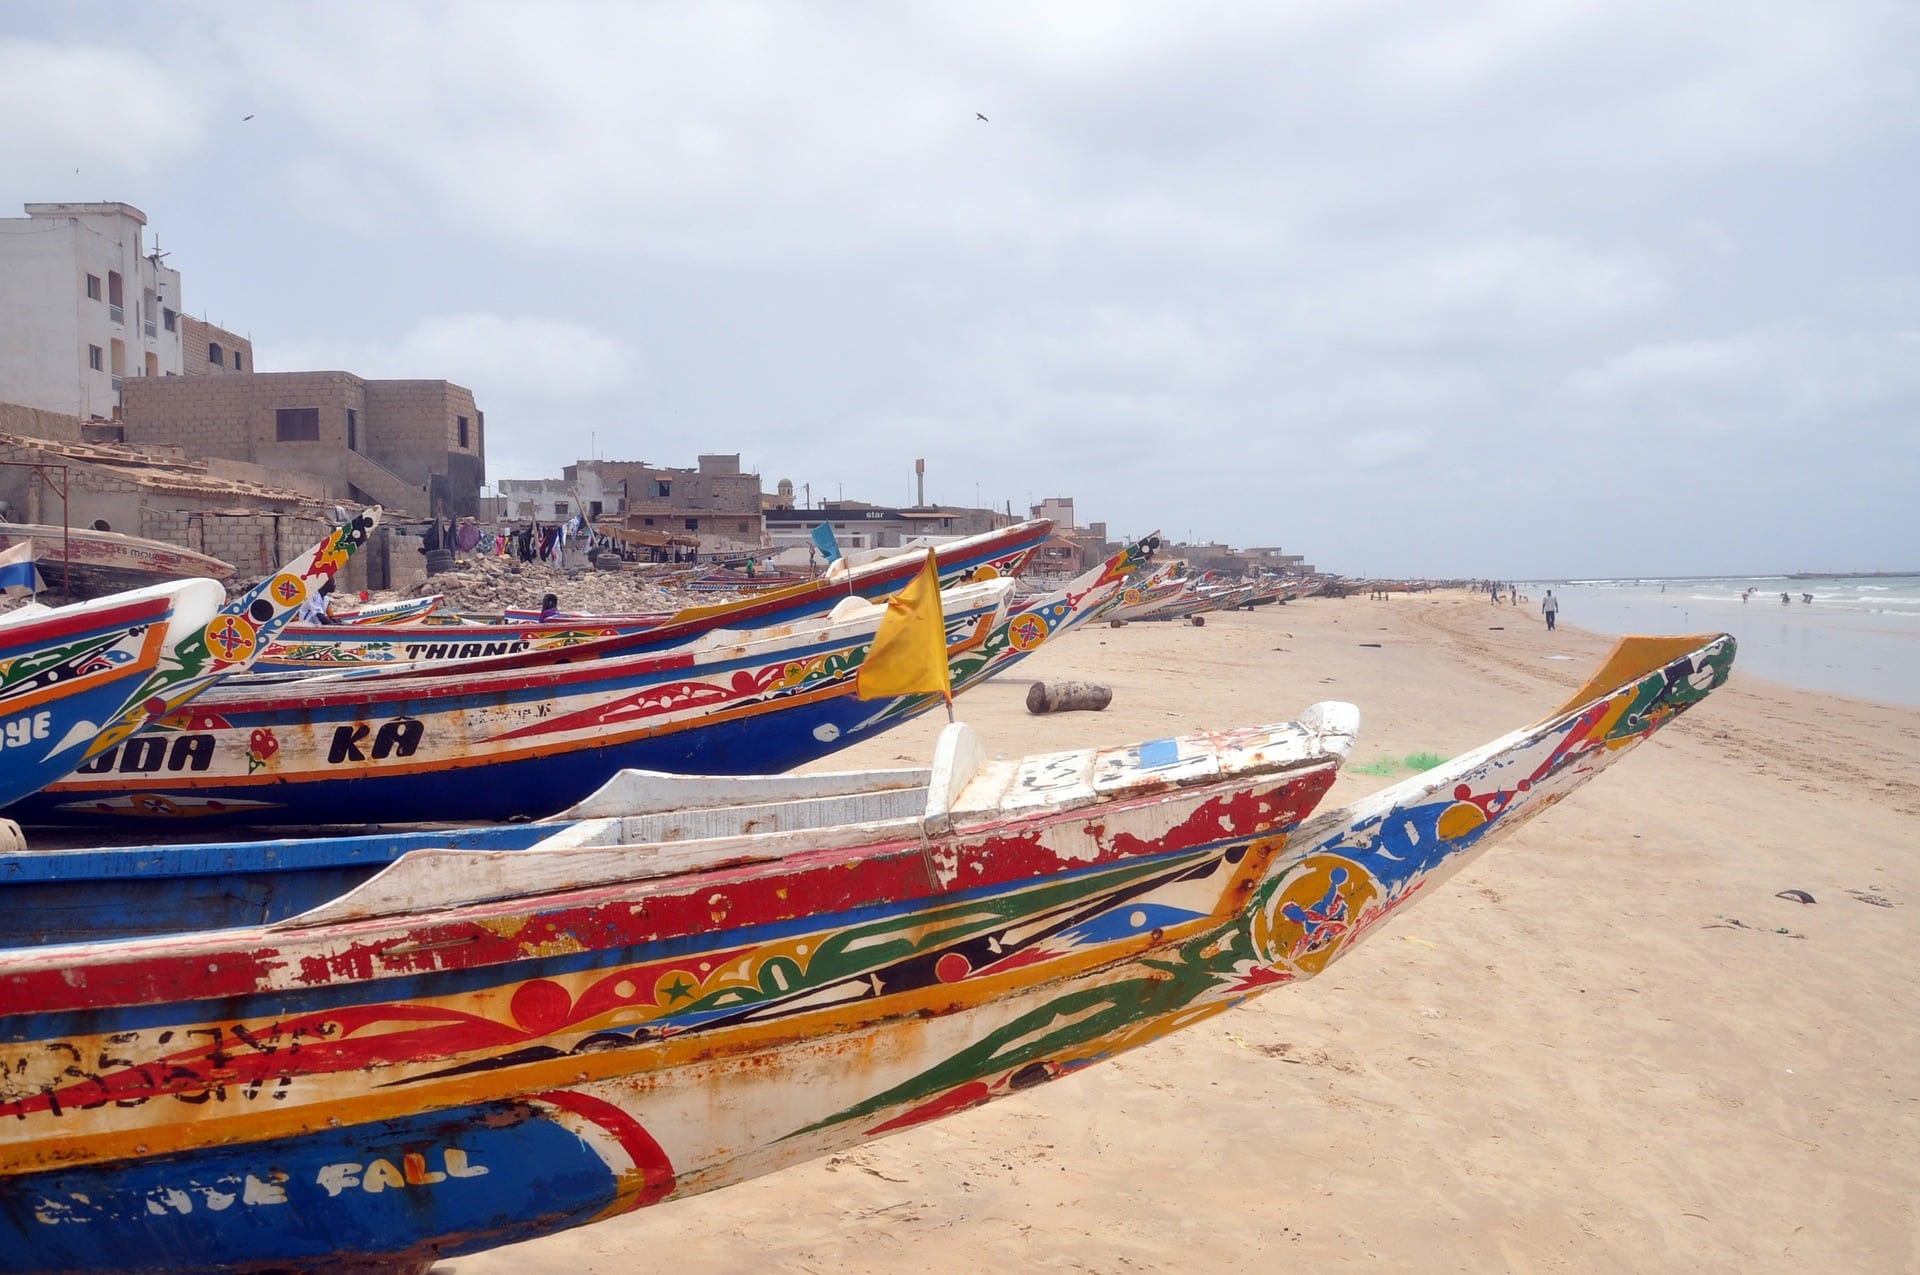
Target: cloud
(1790,379)
(515,356)
(1521,288)
(117,117)
(1220,275)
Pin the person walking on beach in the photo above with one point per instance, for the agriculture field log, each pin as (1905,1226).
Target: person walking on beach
(1550,607)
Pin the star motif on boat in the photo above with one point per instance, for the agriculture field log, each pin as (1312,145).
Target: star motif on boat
(679,989)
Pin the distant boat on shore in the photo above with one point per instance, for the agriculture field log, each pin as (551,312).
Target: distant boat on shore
(97,563)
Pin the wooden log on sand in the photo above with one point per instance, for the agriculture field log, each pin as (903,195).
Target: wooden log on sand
(1062,697)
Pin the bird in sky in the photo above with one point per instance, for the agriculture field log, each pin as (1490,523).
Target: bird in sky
(245,118)
(977,115)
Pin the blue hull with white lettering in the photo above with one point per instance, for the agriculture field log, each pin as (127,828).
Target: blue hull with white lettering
(498,1173)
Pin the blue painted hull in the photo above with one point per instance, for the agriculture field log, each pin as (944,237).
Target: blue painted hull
(320,1200)
(91,895)
(535,787)
(523,745)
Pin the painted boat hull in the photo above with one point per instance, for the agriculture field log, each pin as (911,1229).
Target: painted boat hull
(325,647)
(514,744)
(391,1087)
(66,674)
(836,938)
(397,612)
(98,563)
(120,662)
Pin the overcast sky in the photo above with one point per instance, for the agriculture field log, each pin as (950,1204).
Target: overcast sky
(1528,289)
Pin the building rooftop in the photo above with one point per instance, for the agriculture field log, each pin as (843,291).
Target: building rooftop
(159,473)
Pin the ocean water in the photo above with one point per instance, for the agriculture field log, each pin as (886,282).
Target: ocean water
(1857,636)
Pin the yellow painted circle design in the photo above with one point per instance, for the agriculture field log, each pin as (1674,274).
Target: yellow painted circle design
(1027,632)
(230,638)
(1459,819)
(1311,917)
(287,591)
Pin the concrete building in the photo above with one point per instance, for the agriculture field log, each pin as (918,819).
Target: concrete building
(858,525)
(581,488)
(1272,560)
(715,504)
(1070,548)
(84,308)
(1226,560)
(206,350)
(416,447)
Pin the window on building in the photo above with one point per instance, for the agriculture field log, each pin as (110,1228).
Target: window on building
(661,487)
(353,430)
(214,354)
(693,524)
(236,362)
(297,424)
(460,423)
(169,317)
(649,522)
(559,508)
(593,508)
(96,358)
(93,287)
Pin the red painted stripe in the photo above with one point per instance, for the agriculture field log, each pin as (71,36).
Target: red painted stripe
(816,883)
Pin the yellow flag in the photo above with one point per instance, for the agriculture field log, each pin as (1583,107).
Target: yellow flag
(909,655)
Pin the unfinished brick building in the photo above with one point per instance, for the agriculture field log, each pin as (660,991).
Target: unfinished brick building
(416,447)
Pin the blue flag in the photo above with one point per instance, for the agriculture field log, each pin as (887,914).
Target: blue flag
(18,574)
(823,540)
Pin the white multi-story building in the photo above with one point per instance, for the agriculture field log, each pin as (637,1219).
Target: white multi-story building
(83,305)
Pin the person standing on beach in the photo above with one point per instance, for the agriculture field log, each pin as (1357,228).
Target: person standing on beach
(1550,607)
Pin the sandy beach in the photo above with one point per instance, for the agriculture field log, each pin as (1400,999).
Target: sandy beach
(1608,1045)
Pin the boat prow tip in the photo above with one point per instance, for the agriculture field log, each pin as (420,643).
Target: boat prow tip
(1635,656)
(1335,724)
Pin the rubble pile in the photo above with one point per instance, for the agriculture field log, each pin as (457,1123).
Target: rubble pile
(488,584)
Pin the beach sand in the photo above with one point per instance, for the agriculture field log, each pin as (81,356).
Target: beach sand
(1568,1059)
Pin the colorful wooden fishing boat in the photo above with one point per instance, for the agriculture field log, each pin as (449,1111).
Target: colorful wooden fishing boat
(77,680)
(477,1046)
(1143,595)
(66,672)
(89,563)
(1037,620)
(400,611)
(500,739)
(987,556)
(1172,599)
